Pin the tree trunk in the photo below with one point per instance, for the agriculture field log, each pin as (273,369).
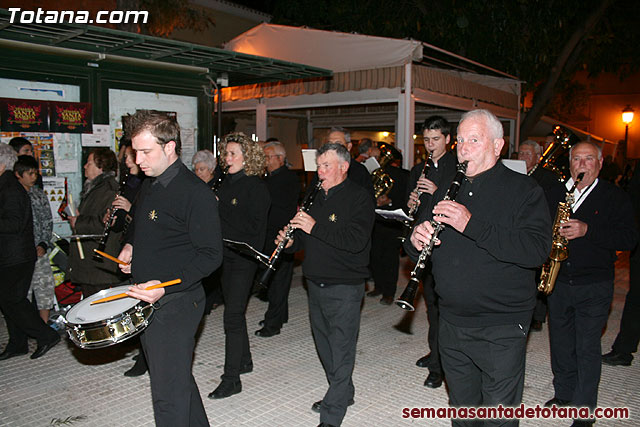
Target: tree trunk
(569,54)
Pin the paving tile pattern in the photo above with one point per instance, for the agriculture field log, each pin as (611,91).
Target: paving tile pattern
(89,384)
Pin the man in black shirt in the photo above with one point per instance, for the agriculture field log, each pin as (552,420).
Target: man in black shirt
(601,222)
(336,237)
(284,189)
(176,235)
(497,231)
(357,172)
(439,166)
(530,152)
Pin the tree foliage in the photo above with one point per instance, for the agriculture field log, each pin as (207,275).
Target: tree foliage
(521,37)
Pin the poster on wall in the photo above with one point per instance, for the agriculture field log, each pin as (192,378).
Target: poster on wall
(54,190)
(70,117)
(43,148)
(23,115)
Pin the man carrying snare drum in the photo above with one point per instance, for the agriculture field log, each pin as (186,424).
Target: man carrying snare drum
(176,235)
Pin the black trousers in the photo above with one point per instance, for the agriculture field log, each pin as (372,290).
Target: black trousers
(385,256)
(627,340)
(577,315)
(334,312)
(22,317)
(277,313)
(484,366)
(168,344)
(433,316)
(237,280)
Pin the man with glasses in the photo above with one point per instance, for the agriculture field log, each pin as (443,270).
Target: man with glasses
(284,188)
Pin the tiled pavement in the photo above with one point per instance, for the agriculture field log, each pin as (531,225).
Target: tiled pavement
(87,388)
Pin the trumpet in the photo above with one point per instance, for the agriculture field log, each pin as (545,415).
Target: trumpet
(405,301)
(288,234)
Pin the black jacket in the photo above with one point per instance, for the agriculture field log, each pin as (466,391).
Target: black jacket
(337,250)
(244,205)
(92,209)
(284,189)
(440,175)
(485,275)
(176,230)
(608,212)
(16,222)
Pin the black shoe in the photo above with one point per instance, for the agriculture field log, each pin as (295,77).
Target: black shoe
(582,423)
(434,380)
(325,425)
(423,362)
(42,349)
(316,405)
(557,402)
(616,359)
(225,389)
(386,300)
(139,368)
(8,354)
(266,333)
(247,368)
(536,325)
(374,293)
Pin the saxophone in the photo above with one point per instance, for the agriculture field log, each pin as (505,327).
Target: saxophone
(559,251)
(382,182)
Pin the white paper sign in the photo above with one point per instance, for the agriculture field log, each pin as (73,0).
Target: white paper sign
(309,159)
(516,165)
(99,137)
(371,164)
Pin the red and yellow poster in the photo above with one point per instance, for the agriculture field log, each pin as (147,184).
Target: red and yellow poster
(24,115)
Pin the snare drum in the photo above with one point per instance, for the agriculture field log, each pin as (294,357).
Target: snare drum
(107,323)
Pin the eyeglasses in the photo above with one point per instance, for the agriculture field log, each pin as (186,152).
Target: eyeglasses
(525,153)
(268,156)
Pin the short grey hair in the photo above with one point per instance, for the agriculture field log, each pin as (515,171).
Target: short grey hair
(593,144)
(347,134)
(340,150)
(493,124)
(531,143)
(8,156)
(277,147)
(206,157)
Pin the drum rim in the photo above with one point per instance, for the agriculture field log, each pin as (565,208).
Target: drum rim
(101,294)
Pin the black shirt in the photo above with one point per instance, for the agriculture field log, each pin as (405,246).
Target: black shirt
(284,189)
(176,230)
(485,275)
(244,205)
(440,175)
(337,250)
(608,213)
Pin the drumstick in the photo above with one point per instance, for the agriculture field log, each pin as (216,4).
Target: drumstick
(123,295)
(107,256)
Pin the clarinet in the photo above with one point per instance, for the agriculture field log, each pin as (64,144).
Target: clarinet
(216,185)
(288,234)
(107,227)
(425,171)
(405,301)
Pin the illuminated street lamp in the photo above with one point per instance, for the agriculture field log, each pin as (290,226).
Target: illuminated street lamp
(627,117)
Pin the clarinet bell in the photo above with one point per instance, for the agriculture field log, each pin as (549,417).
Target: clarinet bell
(265,278)
(405,301)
